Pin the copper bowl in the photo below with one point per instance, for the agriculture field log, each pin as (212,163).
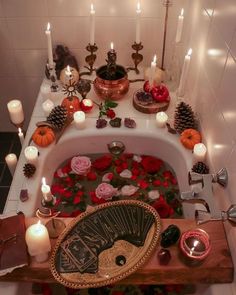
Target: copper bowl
(111,89)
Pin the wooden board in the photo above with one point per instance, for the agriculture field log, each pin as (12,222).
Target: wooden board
(217,268)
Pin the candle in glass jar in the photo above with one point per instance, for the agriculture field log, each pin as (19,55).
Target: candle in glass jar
(31,154)
(92,25)
(47,106)
(86,105)
(46,191)
(38,242)
(138,14)
(21,136)
(161,119)
(199,152)
(16,111)
(179,27)
(49,40)
(11,161)
(79,119)
(152,70)
(184,74)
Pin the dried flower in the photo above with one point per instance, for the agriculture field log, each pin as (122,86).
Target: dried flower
(129,123)
(101,123)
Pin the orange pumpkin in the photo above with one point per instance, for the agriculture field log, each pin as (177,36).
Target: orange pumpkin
(72,104)
(43,136)
(189,138)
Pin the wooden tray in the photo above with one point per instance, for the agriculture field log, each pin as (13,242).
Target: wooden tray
(108,271)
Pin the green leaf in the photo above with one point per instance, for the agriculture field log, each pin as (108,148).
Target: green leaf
(110,104)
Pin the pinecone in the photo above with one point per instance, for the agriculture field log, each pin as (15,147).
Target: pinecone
(184,118)
(200,168)
(29,170)
(57,117)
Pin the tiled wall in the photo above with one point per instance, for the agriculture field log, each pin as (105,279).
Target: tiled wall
(23,43)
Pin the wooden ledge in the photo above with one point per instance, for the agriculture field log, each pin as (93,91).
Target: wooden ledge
(217,268)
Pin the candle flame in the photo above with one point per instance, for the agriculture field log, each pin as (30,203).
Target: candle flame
(92,8)
(48,27)
(112,45)
(155,58)
(138,7)
(189,52)
(20,131)
(182,12)
(39,222)
(43,181)
(68,68)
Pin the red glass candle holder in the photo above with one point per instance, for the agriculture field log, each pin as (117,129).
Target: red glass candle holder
(86,105)
(195,245)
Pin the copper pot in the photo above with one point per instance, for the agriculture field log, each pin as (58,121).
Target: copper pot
(111,89)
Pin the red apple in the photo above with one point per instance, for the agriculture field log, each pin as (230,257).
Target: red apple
(160,93)
(86,105)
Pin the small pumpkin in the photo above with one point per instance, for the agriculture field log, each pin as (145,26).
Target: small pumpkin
(72,104)
(43,136)
(189,138)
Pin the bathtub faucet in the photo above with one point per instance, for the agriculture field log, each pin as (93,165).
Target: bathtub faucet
(202,192)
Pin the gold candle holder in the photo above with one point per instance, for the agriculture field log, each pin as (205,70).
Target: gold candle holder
(136,56)
(90,59)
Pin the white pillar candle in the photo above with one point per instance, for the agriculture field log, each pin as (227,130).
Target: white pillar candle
(184,74)
(47,106)
(16,111)
(138,14)
(31,154)
(11,161)
(152,70)
(49,40)
(179,27)
(92,25)
(21,136)
(199,152)
(46,191)
(161,119)
(79,119)
(38,242)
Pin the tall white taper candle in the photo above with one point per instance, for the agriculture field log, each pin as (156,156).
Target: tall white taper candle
(138,14)
(179,27)
(92,25)
(184,74)
(49,39)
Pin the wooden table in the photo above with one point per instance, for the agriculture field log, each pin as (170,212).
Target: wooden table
(216,268)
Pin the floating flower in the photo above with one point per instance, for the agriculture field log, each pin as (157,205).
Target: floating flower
(91,176)
(162,208)
(157,182)
(153,195)
(151,164)
(142,184)
(137,158)
(126,173)
(110,114)
(128,190)
(102,163)
(80,165)
(105,191)
(107,177)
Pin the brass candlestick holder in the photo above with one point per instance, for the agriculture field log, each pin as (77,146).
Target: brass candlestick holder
(90,59)
(136,56)
(54,226)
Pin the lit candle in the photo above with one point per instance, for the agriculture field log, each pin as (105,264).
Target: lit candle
(199,152)
(92,25)
(79,119)
(86,105)
(11,161)
(184,74)
(112,46)
(68,74)
(138,14)
(21,136)
(49,39)
(179,26)
(46,191)
(38,242)
(16,111)
(31,154)
(47,106)
(152,70)
(161,119)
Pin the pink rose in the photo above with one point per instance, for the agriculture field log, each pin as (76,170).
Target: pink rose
(105,191)
(128,190)
(80,165)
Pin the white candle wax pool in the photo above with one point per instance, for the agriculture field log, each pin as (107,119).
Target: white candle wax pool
(21,136)
(199,152)
(47,106)
(38,242)
(46,191)
(179,27)
(79,119)
(49,40)
(184,74)
(15,111)
(138,14)
(11,161)
(92,25)
(31,154)
(161,119)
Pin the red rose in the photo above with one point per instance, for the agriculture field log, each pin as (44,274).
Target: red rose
(91,176)
(57,189)
(142,184)
(151,164)
(124,165)
(135,171)
(119,169)
(77,197)
(134,177)
(162,208)
(66,169)
(156,182)
(67,194)
(117,162)
(167,174)
(95,199)
(174,181)
(110,114)
(135,164)
(165,183)
(102,163)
